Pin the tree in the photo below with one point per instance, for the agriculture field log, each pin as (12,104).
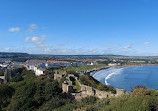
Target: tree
(16,79)
(52,89)
(34,94)
(6,93)
(23,99)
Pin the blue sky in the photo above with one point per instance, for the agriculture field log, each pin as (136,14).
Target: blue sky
(124,27)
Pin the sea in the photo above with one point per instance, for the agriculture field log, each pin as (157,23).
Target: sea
(129,77)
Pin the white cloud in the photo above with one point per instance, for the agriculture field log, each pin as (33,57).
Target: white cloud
(128,46)
(14,29)
(32,27)
(68,51)
(7,49)
(47,50)
(35,39)
(146,43)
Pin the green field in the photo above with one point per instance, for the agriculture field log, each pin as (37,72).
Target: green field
(77,87)
(83,68)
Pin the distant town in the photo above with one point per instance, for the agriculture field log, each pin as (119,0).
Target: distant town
(40,63)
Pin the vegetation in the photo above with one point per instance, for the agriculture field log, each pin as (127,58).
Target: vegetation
(32,93)
(90,81)
(140,99)
(9,55)
(44,94)
(62,80)
(19,59)
(6,93)
(1,73)
(133,102)
(76,86)
(16,79)
(83,68)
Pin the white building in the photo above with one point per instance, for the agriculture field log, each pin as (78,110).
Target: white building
(3,65)
(39,71)
(114,64)
(92,63)
(2,77)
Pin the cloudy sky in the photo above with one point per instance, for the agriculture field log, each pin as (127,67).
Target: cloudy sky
(124,27)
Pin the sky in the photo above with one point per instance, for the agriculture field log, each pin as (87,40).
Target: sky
(86,27)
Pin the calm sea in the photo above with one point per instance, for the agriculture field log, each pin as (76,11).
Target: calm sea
(129,77)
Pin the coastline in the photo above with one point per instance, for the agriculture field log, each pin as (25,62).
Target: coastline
(133,65)
(93,71)
(123,66)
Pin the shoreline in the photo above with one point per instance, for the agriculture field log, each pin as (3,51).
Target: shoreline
(92,72)
(123,66)
(134,65)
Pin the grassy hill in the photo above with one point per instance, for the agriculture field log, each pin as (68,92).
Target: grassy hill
(12,54)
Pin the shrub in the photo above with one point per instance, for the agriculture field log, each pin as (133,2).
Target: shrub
(68,107)
(16,79)
(89,100)
(90,81)
(102,87)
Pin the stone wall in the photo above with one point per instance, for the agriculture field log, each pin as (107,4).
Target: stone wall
(120,92)
(87,91)
(103,94)
(64,87)
(67,88)
(59,75)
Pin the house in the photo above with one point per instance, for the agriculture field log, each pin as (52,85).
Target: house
(39,71)
(114,64)
(30,67)
(35,62)
(77,64)
(4,65)
(58,63)
(17,64)
(92,63)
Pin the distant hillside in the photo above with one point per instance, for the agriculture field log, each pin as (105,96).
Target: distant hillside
(12,54)
(87,56)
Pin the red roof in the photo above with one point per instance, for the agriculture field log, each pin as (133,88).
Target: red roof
(54,61)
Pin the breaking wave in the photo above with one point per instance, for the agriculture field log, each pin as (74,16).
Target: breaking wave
(106,74)
(111,73)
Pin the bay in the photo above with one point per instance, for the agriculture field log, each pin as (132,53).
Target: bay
(129,77)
